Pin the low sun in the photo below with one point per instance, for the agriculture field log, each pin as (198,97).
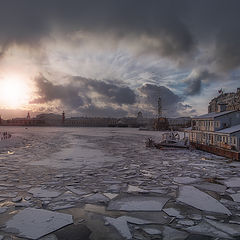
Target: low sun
(14,92)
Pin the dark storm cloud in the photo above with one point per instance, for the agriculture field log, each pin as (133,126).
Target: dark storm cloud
(110,91)
(169,28)
(171,103)
(195,79)
(157,22)
(153,92)
(79,90)
(47,91)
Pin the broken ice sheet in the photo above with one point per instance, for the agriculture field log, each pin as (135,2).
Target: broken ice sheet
(96,198)
(173,234)
(110,195)
(152,231)
(138,203)
(211,187)
(44,193)
(172,212)
(200,200)
(232,182)
(236,197)
(3,209)
(207,229)
(132,188)
(34,223)
(231,229)
(185,180)
(77,191)
(120,224)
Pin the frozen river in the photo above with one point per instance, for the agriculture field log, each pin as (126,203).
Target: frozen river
(113,187)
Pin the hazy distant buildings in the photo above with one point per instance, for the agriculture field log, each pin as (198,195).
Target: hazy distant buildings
(231,100)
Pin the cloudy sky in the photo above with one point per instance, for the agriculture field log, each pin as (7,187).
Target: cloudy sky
(116,57)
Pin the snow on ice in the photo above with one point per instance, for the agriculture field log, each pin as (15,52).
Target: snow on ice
(200,200)
(34,223)
(138,203)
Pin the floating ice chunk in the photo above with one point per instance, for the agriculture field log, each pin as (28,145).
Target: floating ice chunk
(232,182)
(17,199)
(60,206)
(231,229)
(76,190)
(231,191)
(138,203)
(151,217)
(8,195)
(172,212)
(236,197)
(44,193)
(110,195)
(186,222)
(185,180)
(200,200)
(207,229)
(121,226)
(34,223)
(132,188)
(3,209)
(96,198)
(211,187)
(24,186)
(152,231)
(49,237)
(173,234)
(134,220)
(23,204)
(195,217)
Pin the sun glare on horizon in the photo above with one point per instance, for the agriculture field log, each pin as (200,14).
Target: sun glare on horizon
(14,92)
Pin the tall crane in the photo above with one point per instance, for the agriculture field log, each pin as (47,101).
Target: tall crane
(159,107)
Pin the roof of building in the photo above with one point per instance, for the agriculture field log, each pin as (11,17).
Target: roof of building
(213,114)
(232,129)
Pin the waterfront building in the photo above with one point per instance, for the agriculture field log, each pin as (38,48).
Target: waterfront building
(217,132)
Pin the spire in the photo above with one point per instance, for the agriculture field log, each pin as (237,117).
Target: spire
(63,117)
(28,116)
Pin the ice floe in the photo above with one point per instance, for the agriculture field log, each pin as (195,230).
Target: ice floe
(132,188)
(185,180)
(44,193)
(232,182)
(138,203)
(236,197)
(75,190)
(200,200)
(3,209)
(211,187)
(35,223)
(173,234)
(152,231)
(231,229)
(205,228)
(120,224)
